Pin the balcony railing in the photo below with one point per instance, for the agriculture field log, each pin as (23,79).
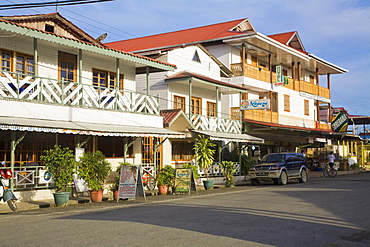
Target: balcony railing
(264,75)
(216,124)
(262,115)
(34,88)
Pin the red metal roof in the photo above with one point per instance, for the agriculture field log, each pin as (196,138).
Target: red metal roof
(186,36)
(169,116)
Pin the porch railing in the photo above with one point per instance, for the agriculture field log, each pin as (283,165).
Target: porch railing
(216,124)
(215,170)
(41,89)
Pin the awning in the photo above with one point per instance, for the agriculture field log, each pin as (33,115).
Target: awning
(220,136)
(82,128)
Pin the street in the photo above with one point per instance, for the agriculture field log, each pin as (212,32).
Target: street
(322,212)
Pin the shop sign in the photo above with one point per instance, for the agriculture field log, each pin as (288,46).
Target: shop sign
(255,104)
(340,122)
(279,74)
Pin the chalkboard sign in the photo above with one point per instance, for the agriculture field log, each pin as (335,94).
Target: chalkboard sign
(130,183)
(184,181)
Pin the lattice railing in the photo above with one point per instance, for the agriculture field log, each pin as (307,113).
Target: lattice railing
(216,124)
(33,88)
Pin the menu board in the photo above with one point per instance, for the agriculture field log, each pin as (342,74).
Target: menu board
(184,181)
(130,181)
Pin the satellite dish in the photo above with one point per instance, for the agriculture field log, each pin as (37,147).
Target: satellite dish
(101,37)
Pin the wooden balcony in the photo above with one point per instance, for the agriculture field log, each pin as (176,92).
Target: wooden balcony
(263,74)
(216,124)
(262,115)
(47,90)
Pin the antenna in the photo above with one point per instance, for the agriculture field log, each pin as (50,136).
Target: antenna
(102,37)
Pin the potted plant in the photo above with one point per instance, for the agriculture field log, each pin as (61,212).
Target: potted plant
(165,178)
(60,165)
(228,169)
(204,152)
(94,169)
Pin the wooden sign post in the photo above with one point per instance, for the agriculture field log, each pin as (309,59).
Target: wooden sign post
(184,181)
(130,183)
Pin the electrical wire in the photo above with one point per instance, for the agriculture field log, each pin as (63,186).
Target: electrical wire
(45,4)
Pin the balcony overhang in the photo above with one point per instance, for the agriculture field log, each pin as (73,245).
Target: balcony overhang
(229,137)
(83,128)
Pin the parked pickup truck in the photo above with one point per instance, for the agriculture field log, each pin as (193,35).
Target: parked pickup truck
(280,167)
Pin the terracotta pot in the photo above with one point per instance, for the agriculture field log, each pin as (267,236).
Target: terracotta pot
(96,195)
(115,195)
(162,189)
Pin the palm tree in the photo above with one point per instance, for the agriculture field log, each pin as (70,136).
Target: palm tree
(204,153)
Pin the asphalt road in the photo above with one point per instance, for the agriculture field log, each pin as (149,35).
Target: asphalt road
(322,212)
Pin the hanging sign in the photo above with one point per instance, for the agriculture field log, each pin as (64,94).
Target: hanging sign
(130,183)
(184,181)
(279,76)
(340,122)
(255,104)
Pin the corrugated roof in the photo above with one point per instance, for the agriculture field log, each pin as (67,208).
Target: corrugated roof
(187,36)
(169,116)
(188,74)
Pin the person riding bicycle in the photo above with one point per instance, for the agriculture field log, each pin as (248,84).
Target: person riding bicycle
(331,159)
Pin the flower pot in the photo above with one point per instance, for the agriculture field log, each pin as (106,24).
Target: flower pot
(115,195)
(162,189)
(208,184)
(96,195)
(61,198)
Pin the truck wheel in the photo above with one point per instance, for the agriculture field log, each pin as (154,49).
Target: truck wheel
(283,179)
(304,177)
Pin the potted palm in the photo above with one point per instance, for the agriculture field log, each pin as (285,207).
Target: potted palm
(165,178)
(94,169)
(228,169)
(204,152)
(60,165)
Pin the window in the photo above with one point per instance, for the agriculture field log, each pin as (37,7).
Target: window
(211,109)
(196,105)
(25,65)
(49,28)
(6,60)
(105,79)
(67,66)
(182,151)
(147,152)
(235,113)
(196,57)
(17,62)
(306,107)
(179,102)
(286,103)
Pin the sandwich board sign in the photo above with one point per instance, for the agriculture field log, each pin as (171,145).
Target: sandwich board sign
(184,181)
(130,183)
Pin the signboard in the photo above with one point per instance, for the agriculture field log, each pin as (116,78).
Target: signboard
(184,181)
(279,74)
(255,104)
(130,182)
(340,122)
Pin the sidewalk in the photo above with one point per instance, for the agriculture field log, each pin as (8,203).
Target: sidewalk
(22,206)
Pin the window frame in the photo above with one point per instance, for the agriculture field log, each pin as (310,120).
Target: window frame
(306,107)
(211,109)
(69,59)
(177,104)
(110,79)
(286,103)
(196,109)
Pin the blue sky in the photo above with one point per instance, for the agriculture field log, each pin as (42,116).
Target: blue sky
(335,30)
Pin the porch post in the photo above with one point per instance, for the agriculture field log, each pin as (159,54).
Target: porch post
(147,81)
(13,146)
(118,83)
(79,66)
(317,101)
(218,119)
(243,58)
(190,96)
(329,105)
(35,57)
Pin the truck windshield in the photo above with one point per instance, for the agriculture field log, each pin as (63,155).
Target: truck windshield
(269,158)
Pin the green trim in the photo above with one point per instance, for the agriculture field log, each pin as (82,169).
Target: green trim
(34,33)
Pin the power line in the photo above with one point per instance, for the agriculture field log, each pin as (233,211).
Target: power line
(46,4)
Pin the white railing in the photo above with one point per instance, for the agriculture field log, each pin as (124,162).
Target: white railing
(215,170)
(33,88)
(216,124)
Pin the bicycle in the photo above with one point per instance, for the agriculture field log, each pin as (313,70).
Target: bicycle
(330,171)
